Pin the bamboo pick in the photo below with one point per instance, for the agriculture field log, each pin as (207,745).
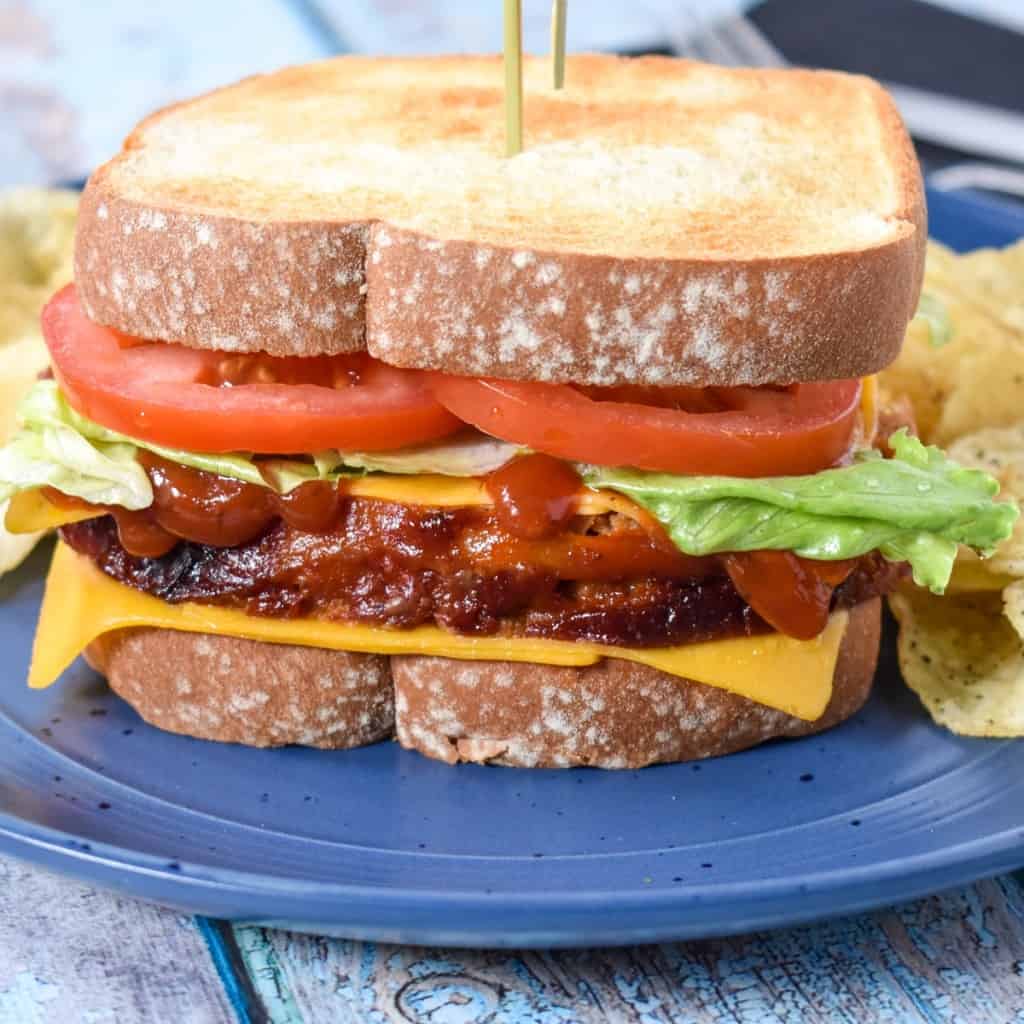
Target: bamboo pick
(558,17)
(513,77)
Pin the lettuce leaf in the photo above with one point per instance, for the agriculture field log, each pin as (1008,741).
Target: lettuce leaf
(58,447)
(58,456)
(916,507)
(474,455)
(932,310)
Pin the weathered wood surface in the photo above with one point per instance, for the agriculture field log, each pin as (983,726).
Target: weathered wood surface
(953,957)
(76,77)
(73,80)
(70,953)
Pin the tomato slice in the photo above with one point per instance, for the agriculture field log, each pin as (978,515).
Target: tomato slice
(733,431)
(206,401)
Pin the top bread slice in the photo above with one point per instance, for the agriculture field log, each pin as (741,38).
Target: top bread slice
(668,222)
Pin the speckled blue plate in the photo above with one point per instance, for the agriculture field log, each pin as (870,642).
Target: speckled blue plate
(381,843)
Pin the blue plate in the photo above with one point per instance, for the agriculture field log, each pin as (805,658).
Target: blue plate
(381,843)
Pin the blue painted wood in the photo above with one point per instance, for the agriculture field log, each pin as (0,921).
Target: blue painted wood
(953,957)
(71,953)
(73,78)
(220,942)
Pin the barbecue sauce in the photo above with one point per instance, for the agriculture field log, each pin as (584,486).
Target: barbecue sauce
(530,540)
(792,594)
(534,495)
(527,532)
(189,504)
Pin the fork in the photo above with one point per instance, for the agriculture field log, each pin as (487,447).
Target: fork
(946,120)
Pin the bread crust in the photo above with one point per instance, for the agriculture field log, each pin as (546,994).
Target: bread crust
(517,314)
(243,691)
(232,277)
(615,714)
(224,283)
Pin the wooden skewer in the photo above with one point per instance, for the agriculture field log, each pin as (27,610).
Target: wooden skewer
(558,16)
(513,77)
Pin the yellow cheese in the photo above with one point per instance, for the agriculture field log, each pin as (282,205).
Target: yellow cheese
(869,406)
(425,489)
(30,511)
(454,492)
(82,603)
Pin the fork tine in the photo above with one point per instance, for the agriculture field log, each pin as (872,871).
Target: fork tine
(698,40)
(747,38)
(685,36)
(722,45)
(731,42)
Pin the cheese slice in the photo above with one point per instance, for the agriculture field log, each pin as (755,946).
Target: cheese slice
(869,406)
(29,511)
(82,603)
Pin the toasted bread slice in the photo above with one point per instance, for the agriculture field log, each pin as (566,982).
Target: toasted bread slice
(234,690)
(667,223)
(615,714)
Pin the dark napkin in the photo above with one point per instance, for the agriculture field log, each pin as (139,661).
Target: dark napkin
(906,41)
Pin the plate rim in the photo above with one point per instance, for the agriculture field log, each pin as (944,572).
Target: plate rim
(542,920)
(1009,842)
(837,890)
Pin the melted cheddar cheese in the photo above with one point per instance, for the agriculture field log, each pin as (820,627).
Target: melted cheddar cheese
(82,604)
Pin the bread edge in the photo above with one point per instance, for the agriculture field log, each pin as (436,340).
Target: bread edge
(235,690)
(615,714)
(328,287)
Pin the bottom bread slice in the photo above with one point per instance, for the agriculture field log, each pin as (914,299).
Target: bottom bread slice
(615,714)
(243,691)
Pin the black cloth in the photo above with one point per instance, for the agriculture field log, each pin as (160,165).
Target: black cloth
(907,41)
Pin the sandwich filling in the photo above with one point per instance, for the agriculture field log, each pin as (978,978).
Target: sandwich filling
(342,490)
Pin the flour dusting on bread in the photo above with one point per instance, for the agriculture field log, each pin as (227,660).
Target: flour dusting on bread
(668,222)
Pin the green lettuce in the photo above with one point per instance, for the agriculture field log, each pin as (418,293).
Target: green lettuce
(59,448)
(54,456)
(916,507)
(932,310)
(473,455)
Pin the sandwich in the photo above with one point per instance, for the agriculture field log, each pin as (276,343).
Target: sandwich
(357,428)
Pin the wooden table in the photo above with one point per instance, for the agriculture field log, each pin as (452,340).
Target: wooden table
(73,79)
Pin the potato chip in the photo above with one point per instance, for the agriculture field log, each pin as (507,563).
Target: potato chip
(977,379)
(972,574)
(14,547)
(964,654)
(1000,452)
(990,389)
(925,373)
(1013,606)
(36,247)
(964,659)
(926,376)
(994,279)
